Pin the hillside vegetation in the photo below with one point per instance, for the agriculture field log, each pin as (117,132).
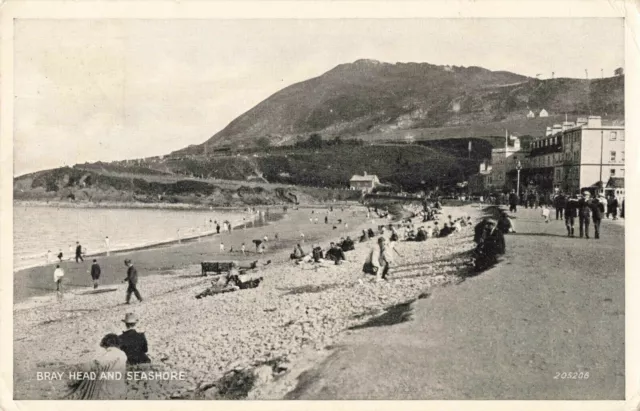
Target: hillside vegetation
(379,99)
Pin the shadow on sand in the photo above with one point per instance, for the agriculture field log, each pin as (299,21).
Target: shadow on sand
(395,314)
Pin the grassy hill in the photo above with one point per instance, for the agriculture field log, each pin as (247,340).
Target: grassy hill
(374,100)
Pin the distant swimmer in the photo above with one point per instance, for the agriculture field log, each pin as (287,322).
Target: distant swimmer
(48,256)
(60,255)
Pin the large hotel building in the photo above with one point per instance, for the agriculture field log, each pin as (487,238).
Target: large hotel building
(587,154)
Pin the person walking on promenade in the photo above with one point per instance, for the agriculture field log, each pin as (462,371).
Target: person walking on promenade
(622,210)
(513,201)
(570,213)
(584,214)
(597,209)
(58,275)
(132,279)
(218,228)
(614,207)
(95,273)
(609,201)
(133,343)
(560,202)
(545,213)
(79,252)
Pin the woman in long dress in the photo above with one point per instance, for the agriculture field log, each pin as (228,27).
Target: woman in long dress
(109,367)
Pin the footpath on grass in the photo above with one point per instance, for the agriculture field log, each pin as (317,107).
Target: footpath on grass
(547,323)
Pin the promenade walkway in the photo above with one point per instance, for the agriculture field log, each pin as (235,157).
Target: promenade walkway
(554,305)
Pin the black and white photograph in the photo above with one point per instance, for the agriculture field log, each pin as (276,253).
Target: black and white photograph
(318,208)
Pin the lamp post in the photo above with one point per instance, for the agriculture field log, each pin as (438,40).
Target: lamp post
(518,167)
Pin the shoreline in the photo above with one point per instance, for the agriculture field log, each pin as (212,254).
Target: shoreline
(35,281)
(136,205)
(153,244)
(297,308)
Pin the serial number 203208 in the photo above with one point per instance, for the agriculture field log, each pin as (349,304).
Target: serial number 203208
(571,376)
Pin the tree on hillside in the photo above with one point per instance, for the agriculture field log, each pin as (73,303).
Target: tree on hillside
(263,143)
(315,140)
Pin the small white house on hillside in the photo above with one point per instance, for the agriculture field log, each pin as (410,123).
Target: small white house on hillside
(364,183)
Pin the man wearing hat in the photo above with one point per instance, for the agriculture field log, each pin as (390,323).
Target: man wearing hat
(584,213)
(570,214)
(132,279)
(133,343)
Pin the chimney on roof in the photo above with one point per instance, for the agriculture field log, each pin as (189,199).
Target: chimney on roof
(594,122)
(549,131)
(581,121)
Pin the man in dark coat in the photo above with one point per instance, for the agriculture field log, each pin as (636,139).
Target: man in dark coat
(560,202)
(597,209)
(513,201)
(614,207)
(133,343)
(336,254)
(132,279)
(79,252)
(570,214)
(95,273)
(584,214)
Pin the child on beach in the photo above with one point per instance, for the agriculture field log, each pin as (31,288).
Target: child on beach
(545,213)
(242,248)
(221,247)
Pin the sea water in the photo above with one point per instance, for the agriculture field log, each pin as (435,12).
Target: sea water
(38,229)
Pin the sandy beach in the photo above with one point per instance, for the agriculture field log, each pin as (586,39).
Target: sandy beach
(265,334)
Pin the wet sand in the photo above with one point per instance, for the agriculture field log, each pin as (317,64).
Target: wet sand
(163,258)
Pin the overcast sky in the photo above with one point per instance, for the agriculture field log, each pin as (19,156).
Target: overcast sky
(115,89)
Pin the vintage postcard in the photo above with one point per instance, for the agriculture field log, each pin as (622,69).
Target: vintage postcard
(319,201)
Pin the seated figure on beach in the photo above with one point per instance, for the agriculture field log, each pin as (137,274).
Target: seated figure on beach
(110,358)
(133,343)
(335,254)
(299,255)
(317,254)
(364,237)
(348,244)
(371,233)
(505,224)
(446,230)
(421,235)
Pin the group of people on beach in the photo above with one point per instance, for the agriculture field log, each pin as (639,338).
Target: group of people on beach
(118,353)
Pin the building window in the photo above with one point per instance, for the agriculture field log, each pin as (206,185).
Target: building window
(622,157)
(613,172)
(613,136)
(622,136)
(622,172)
(613,157)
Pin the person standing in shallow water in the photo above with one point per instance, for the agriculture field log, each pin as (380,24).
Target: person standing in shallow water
(132,279)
